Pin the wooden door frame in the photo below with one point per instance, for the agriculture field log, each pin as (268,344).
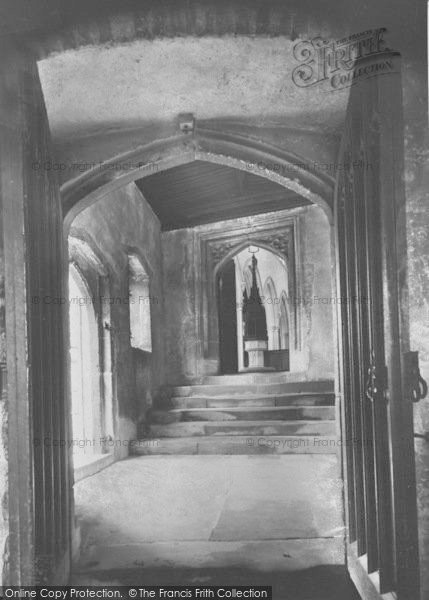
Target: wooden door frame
(25,102)
(16,387)
(396,327)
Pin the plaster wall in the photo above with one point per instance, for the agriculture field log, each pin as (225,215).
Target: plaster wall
(4,466)
(224,81)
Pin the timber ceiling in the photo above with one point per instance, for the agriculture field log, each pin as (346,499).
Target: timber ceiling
(202,192)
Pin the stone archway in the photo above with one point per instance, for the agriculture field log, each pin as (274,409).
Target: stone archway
(206,145)
(268,161)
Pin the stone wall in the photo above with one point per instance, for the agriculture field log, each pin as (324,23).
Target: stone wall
(4,525)
(186,307)
(181,278)
(417,193)
(119,224)
(317,296)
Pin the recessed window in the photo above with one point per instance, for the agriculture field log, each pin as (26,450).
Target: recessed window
(140,305)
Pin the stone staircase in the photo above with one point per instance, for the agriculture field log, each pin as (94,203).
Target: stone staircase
(242,414)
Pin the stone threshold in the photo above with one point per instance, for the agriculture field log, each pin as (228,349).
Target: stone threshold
(258,555)
(85,466)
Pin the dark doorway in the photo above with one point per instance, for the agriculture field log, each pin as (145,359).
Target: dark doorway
(227,319)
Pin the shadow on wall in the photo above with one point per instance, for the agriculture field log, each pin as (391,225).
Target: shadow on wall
(324,582)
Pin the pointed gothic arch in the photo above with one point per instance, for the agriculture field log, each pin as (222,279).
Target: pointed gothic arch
(211,146)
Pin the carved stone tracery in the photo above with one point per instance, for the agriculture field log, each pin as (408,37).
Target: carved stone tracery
(279,241)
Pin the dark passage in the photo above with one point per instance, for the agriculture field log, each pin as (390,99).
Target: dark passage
(227,319)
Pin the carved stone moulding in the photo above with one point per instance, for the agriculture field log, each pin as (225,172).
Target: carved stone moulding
(280,241)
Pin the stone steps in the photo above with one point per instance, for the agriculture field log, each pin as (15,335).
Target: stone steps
(248,400)
(265,388)
(261,415)
(244,413)
(292,380)
(244,378)
(237,445)
(262,428)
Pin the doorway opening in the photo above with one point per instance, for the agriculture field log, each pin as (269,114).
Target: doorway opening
(234,293)
(84,366)
(214,416)
(90,369)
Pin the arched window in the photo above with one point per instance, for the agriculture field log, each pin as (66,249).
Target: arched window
(140,305)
